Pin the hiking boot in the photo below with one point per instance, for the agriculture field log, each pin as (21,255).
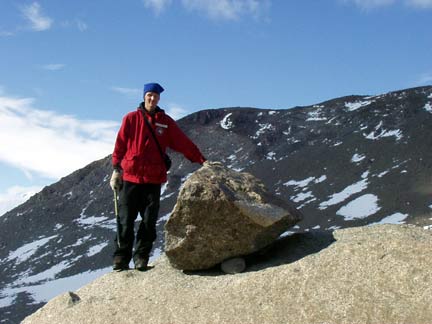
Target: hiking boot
(141,264)
(119,263)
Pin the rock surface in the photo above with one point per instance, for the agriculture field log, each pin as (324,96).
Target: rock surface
(379,275)
(233,265)
(220,214)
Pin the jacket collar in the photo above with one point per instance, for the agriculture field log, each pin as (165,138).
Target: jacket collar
(157,110)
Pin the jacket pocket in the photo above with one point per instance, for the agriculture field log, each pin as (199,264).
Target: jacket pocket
(132,163)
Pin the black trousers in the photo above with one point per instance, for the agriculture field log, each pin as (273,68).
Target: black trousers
(133,199)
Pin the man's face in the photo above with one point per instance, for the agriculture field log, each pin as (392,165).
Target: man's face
(151,100)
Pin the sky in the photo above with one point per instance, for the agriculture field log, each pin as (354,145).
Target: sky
(70,70)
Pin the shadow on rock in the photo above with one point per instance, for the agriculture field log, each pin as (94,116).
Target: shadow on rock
(289,249)
(285,250)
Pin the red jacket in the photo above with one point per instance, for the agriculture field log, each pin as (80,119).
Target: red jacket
(137,153)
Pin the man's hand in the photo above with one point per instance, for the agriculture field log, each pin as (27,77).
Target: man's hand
(116,181)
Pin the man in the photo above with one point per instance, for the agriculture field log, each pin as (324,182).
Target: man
(139,171)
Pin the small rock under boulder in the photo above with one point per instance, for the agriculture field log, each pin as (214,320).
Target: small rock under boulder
(221,214)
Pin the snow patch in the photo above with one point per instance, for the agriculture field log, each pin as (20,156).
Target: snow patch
(307,202)
(157,252)
(163,188)
(305,182)
(237,169)
(187,176)
(360,207)
(167,196)
(357,158)
(226,123)
(302,196)
(271,156)
(286,234)
(164,218)
(321,179)
(26,251)
(81,240)
(428,107)
(344,194)
(68,195)
(46,275)
(96,249)
(48,290)
(396,218)
(383,174)
(380,132)
(232,157)
(301,183)
(357,104)
(262,129)
(315,116)
(92,220)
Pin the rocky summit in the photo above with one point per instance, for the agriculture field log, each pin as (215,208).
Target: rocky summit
(221,214)
(378,274)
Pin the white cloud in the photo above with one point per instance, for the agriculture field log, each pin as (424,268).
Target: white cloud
(371,4)
(33,14)
(175,111)
(228,9)
(221,9)
(76,23)
(82,26)
(53,67)
(157,5)
(425,79)
(5,33)
(129,92)
(15,196)
(50,144)
(420,3)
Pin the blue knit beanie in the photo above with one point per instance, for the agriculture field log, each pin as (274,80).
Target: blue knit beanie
(153,87)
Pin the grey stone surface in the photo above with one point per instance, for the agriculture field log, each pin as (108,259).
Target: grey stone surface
(220,214)
(368,275)
(233,265)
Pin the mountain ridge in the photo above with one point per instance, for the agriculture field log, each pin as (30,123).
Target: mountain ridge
(345,162)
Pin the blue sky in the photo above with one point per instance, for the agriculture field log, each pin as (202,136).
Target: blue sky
(69,70)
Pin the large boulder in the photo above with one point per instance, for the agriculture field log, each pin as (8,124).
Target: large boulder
(220,214)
